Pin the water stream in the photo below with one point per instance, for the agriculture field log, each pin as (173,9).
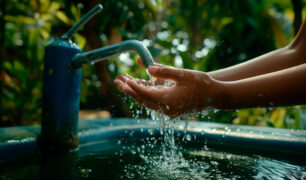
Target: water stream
(150,76)
(165,160)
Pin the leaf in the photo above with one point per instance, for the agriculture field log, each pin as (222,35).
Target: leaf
(7,65)
(20,19)
(44,5)
(8,94)
(20,72)
(225,21)
(33,38)
(54,7)
(46,17)
(81,41)
(33,4)
(44,33)
(62,17)
(36,92)
(278,117)
(11,83)
(76,13)
(279,36)
(243,113)
(18,66)
(297,122)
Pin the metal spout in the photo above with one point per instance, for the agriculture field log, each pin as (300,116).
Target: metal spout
(94,11)
(96,55)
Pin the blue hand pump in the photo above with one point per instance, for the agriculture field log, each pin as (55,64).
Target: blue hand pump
(61,85)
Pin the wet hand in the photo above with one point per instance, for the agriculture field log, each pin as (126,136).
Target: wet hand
(189,91)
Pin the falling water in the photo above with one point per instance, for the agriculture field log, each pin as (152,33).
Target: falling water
(151,77)
(167,159)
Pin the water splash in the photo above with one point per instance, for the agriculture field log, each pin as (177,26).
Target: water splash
(165,160)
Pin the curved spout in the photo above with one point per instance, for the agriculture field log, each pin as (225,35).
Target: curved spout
(96,55)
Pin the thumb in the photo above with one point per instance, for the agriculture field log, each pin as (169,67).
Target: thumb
(139,61)
(165,72)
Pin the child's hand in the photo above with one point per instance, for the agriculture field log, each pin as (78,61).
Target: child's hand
(190,90)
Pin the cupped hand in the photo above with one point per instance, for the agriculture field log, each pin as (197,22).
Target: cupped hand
(190,91)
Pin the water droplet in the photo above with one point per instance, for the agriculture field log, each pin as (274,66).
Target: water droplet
(214,163)
(229,156)
(150,131)
(85,172)
(188,137)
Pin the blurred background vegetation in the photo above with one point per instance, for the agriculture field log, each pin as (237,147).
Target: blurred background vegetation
(203,35)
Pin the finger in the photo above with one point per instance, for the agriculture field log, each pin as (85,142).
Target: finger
(165,72)
(126,77)
(151,94)
(142,101)
(121,78)
(144,83)
(141,64)
(129,91)
(125,88)
(133,94)
(140,81)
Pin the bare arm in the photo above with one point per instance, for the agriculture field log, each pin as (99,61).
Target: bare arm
(282,88)
(195,90)
(292,55)
(274,79)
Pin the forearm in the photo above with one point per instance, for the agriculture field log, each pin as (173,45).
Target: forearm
(267,63)
(282,88)
(292,55)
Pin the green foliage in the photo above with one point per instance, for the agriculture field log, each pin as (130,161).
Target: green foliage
(203,35)
(28,27)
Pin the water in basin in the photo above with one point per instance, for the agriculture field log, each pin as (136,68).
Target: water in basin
(131,159)
(152,154)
